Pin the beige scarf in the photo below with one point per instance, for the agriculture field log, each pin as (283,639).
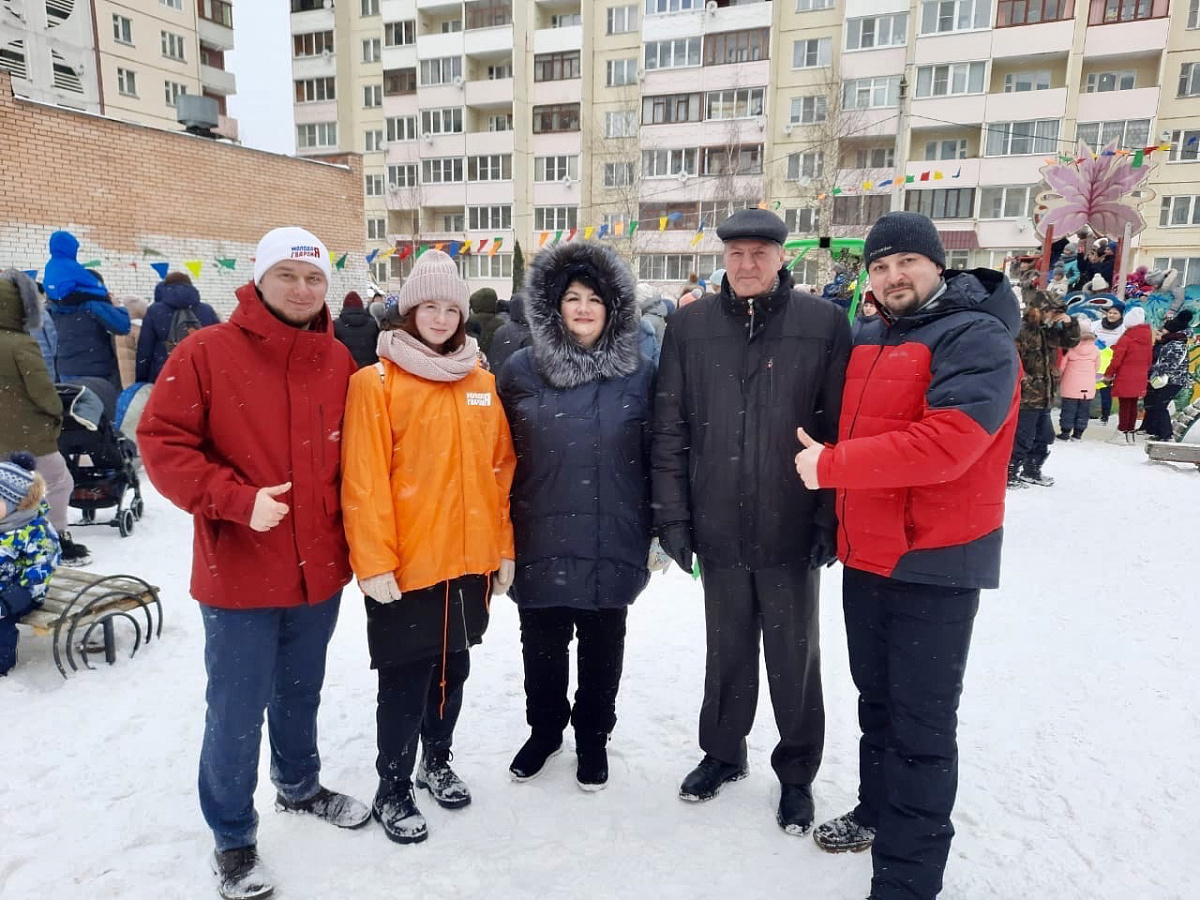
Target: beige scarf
(416,358)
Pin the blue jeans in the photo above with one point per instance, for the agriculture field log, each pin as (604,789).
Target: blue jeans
(260,659)
(1074,416)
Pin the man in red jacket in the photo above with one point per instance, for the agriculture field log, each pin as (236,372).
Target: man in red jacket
(243,431)
(928,417)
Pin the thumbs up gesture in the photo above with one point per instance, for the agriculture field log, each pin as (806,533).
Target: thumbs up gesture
(268,512)
(807,458)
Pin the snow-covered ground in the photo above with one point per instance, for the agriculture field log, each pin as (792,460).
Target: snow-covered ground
(1080,774)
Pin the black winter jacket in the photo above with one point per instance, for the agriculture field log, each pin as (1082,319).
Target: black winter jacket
(357,329)
(510,337)
(733,387)
(152,349)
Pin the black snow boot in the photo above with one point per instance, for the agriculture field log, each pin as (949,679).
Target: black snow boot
(241,875)
(1064,435)
(337,809)
(395,808)
(1077,436)
(706,780)
(795,813)
(591,773)
(845,834)
(1033,475)
(436,776)
(71,553)
(532,756)
(1014,477)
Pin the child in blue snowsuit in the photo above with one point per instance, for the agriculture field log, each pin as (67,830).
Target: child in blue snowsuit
(29,549)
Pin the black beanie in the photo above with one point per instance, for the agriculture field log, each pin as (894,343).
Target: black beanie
(1179,322)
(904,232)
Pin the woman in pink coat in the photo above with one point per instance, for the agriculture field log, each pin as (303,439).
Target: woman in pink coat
(1130,368)
(1079,367)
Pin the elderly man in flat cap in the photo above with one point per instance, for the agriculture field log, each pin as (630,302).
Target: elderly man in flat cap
(741,370)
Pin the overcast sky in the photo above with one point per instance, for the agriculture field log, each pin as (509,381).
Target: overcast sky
(262,61)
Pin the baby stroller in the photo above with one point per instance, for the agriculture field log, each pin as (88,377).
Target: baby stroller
(100,459)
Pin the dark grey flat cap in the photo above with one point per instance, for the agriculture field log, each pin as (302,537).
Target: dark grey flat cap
(753,225)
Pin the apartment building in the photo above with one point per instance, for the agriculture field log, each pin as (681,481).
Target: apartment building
(129,59)
(648,122)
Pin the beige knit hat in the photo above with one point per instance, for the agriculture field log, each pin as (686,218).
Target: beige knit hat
(434,277)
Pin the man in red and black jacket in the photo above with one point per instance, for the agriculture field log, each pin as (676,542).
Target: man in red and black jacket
(927,424)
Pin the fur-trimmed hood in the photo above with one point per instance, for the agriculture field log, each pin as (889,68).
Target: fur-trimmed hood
(562,361)
(19,306)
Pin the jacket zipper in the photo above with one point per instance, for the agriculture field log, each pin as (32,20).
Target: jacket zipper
(849,435)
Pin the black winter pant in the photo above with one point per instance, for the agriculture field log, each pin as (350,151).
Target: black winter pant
(1035,434)
(1074,416)
(780,605)
(908,648)
(1105,395)
(420,699)
(545,648)
(1156,407)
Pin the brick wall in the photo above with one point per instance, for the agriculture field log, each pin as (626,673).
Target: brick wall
(125,189)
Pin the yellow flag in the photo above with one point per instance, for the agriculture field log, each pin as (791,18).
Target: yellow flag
(193,266)
(587,232)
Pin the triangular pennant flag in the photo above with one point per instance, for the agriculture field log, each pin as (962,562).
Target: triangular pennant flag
(885,183)
(924,176)
(92,264)
(587,232)
(674,217)
(1139,157)
(956,174)
(193,266)
(230,263)
(496,242)
(867,185)
(836,191)
(558,236)
(439,245)
(32,273)
(778,204)
(662,223)
(633,226)
(405,252)
(371,256)
(150,251)
(161,268)
(618,228)
(909,179)
(421,250)
(339,265)
(603,231)
(483,242)
(465,248)
(938,175)
(455,246)
(543,238)
(571,235)
(385,254)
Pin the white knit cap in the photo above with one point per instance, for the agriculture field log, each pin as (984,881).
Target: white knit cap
(281,244)
(434,277)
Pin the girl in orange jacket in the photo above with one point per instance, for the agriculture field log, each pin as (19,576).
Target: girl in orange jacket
(427,463)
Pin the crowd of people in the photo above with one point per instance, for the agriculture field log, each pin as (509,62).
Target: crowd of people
(442,450)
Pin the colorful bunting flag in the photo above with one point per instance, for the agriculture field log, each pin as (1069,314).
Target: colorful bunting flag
(543,238)
(339,265)
(496,242)
(161,268)
(92,264)
(662,223)
(371,256)
(405,252)
(150,251)
(465,248)
(483,242)
(421,250)
(587,232)
(603,231)
(570,235)
(193,266)
(1139,157)
(698,237)
(619,228)
(633,226)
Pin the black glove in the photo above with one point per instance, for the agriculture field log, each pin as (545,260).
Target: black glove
(676,541)
(823,551)
(15,601)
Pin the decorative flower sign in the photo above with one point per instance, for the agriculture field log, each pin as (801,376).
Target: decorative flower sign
(1103,190)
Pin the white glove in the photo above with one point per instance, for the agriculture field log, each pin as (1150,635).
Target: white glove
(503,578)
(659,561)
(1158,381)
(381,588)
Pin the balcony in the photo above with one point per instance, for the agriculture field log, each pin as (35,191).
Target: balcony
(436,46)
(1126,38)
(479,143)
(214,33)
(951,45)
(1048,38)
(218,81)
(967,171)
(567,90)
(497,41)
(870,122)
(1106,106)
(558,40)
(935,112)
(438,6)
(312,20)
(400,57)
(1023,105)
(315,67)
(489,93)
(227,127)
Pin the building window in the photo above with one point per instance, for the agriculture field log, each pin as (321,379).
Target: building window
(372,96)
(1031,12)
(127,82)
(727,47)
(732,160)
(673,54)
(940,16)
(1006,202)
(122,30)
(316,90)
(1187,267)
(555,168)
(454,222)
(1019,138)
(1102,82)
(314,43)
(875,158)
(1185,145)
(1126,132)
(671,108)
(669,163)
(666,266)
(1193,22)
(402,176)
(172,90)
(441,71)
(860,211)
(805,165)
(452,26)
(488,14)
(400,34)
(679,216)
(172,45)
(442,121)
(555,118)
(812,53)
(1106,12)
(802,221)
(499,71)
(173,4)
(739,103)
(1020,82)
(1189,80)
(622,19)
(618,174)
(486,265)
(565,20)
(871,93)
(218,11)
(810,5)
(500,122)
(489,218)
(810,110)
(397,82)
(316,134)
(1179,210)
(376,229)
(401,128)
(379,271)
(372,50)
(554,218)
(556,66)
(373,185)
(373,140)
(620,72)
(495,167)
(956,78)
(660,7)
(620,124)
(954,148)
(947,203)
(369,7)
(444,170)
(877,31)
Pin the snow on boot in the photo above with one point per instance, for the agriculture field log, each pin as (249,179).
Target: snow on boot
(592,772)
(337,809)
(1014,477)
(795,813)
(72,554)
(241,875)
(845,834)
(1064,435)
(532,756)
(706,780)
(1033,475)
(436,776)
(395,808)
